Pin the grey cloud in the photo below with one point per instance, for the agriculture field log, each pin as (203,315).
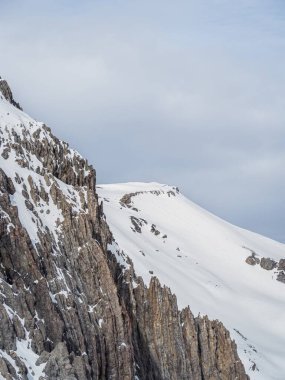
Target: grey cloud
(189,93)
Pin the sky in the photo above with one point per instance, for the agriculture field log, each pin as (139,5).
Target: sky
(188,93)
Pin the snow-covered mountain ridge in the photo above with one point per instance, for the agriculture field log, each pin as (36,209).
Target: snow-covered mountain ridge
(68,308)
(218,269)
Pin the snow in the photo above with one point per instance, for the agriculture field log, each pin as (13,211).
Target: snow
(120,255)
(202,260)
(198,255)
(22,164)
(4,355)
(36,215)
(27,355)
(15,122)
(24,351)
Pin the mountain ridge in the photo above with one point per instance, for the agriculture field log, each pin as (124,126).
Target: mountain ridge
(69,310)
(221,270)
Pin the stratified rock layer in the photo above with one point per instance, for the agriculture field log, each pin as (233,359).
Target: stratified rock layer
(68,309)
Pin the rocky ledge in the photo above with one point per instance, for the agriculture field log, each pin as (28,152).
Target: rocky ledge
(268,264)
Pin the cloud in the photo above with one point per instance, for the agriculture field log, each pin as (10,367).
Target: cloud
(190,93)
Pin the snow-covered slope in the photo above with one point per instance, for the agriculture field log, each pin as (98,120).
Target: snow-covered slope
(20,137)
(67,311)
(202,259)
(26,170)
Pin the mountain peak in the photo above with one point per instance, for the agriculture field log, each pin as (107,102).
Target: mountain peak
(69,307)
(7,93)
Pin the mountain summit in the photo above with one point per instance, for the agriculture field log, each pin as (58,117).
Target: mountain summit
(71,305)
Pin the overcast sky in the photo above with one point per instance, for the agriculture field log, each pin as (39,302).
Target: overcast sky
(189,93)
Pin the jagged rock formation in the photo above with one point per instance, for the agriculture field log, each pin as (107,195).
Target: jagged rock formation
(7,93)
(202,259)
(68,309)
(127,199)
(268,264)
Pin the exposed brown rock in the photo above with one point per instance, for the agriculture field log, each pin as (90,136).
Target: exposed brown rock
(252,260)
(7,93)
(281,277)
(281,264)
(86,316)
(267,263)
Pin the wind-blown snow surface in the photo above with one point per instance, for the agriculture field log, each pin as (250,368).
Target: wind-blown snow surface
(202,259)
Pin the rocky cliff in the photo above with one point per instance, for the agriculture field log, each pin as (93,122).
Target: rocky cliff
(69,309)
(7,93)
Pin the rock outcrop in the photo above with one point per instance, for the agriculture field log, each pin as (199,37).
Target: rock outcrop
(268,264)
(69,308)
(5,90)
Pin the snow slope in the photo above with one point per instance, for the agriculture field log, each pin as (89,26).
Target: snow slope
(24,168)
(202,259)
(18,132)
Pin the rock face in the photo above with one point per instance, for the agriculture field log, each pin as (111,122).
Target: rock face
(281,269)
(252,260)
(185,347)
(281,264)
(7,93)
(68,309)
(268,264)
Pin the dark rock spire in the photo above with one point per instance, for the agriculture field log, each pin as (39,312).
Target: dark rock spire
(7,93)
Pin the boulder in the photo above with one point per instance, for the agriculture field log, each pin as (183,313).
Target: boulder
(252,260)
(281,277)
(267,263)
(281,264)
